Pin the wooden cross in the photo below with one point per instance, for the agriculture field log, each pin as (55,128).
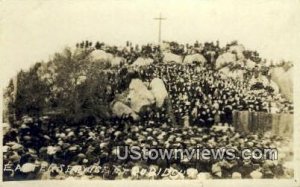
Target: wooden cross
(159,26)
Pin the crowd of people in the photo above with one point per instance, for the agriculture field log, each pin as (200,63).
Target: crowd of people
(198,95)
(201,102)
(206,98)
(41,149)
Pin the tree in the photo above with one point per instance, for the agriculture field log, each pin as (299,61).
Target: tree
(70,84)
(32,93)
(9,107)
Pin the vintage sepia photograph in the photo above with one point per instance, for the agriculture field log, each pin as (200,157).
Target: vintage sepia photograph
(149,90)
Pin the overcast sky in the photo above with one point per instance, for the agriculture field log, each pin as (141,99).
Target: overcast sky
(31,31)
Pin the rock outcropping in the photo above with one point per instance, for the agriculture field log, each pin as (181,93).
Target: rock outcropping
(138,98)
(194,58)
(159,91)
(119,109)
(142,62)
(100,55)
(172,58)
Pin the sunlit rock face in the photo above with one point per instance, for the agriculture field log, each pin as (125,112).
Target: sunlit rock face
(284,80)
(224,59)
(159,91)
(194,58)
(172,58)
(139,96)
(119,109)
(100,55)
(142,62)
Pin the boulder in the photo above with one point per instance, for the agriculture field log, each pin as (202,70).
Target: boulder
(119,108)
(139,96)
(159,91)
(238,50)
(249,64)
(172,58)
(164,46)
(284,80)
(194,58)
(116,61)
(275,86)
(142,62)
(100,55)
(224,59)
(264,80)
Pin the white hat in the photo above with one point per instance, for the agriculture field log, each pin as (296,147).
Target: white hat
(28,167)
(216,168)
(236,175)
(128,141)
(5,149)
(204,176)
(192,173)
(51,150)
(117,133)
(16,146)
(73,148)
(256,174)
(135,170)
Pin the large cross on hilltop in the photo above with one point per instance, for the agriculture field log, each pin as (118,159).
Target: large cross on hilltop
(159,26)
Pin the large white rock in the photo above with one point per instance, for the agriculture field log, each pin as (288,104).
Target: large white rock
(119,108)
(225,58)
(165,46)
(284,80)
(263,79)
(194,58)
(249,64)
(116,61)
(100,55)
(170,57)
(142,61)
(275,86)
(139,96)
(238,50)
(159,91)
